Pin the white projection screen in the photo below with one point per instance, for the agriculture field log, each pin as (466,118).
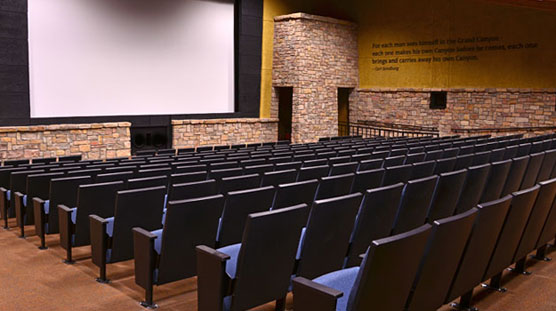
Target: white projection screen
(130,57)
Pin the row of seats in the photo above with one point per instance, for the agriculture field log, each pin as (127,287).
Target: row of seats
(135,194)
(221,286)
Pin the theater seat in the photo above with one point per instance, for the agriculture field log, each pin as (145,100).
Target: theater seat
(382,282)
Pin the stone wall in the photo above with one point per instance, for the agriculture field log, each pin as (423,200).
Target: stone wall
(92,141)
(316,56)
(466,108)
(191,133)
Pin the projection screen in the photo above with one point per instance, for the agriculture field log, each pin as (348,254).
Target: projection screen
(130,57)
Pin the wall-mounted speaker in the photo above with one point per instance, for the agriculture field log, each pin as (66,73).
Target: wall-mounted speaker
(150,138)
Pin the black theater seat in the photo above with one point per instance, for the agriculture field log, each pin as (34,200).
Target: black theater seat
(416,199)
(112,238)
(258,270)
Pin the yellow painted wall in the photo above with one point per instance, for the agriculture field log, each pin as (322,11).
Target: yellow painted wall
(407,22)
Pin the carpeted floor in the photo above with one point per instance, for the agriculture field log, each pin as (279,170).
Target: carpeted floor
(31,279)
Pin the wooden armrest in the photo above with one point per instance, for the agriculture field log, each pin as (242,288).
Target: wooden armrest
(145,257)
(309,295)
(142,232)
(212,280)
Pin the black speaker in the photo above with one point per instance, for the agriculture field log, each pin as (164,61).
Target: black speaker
(145,138)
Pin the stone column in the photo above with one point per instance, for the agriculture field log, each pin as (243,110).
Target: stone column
(315,55)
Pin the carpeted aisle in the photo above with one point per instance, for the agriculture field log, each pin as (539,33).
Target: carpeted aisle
(31,279)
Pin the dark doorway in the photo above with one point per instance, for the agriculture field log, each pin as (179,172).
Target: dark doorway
(285,100)
(343,111)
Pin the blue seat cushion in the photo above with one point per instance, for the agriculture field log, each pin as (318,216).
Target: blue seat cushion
(8,195)
(164,215)
(110,226)
(25,200)
(165,200)
(233,252)
(47,207)
(74,215)
(158,240)
(341,280)
(301,241)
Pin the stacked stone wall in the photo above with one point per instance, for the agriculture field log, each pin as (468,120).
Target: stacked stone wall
(92,141)
(192,133)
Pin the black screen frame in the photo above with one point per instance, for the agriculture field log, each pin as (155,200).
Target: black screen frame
(14,71)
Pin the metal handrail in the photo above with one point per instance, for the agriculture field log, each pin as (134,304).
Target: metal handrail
(369,131)
(505,129)
(399,126)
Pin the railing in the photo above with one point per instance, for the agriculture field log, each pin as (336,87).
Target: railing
(493,130)
(399,126)
(370,131)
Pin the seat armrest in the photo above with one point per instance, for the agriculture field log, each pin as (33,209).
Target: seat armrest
(145,257)
(40,216)
(309,295)
(66,226)
(3,202)
(212,280)
(99,239)
(19,209)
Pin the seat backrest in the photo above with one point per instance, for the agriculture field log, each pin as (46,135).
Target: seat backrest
(473,187)
(386,275)
(243,182)
(227,172)
(316,162)
(440,261)
(279,177)
(450,153)
(38,185)
(196,189)
(238,205)
(480,158)
(445,165)
(370,164)
(367,180)
(267,256)
(549,229)
(135,208)
(336,160)
(343,168)
(433,155)
(147,182)
(258,169)
(333,186)
(108,177)
(537,219)
(496,180)
(181,178)
(463,161)
(190,168)
(94,199)
(63,191)
(465,150)
(497,154)
(394,161)
(548,164)
(288,166)
(302,192)
(416,199)
(446,195)
(18,179)
(396,174)
(532,171)
(478,250)
(511,152)
(188,223)
(314,172)
(523,149)
(515,176)
(326,238)
(422,169)
(375,219)
(512,230)
(414,158)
